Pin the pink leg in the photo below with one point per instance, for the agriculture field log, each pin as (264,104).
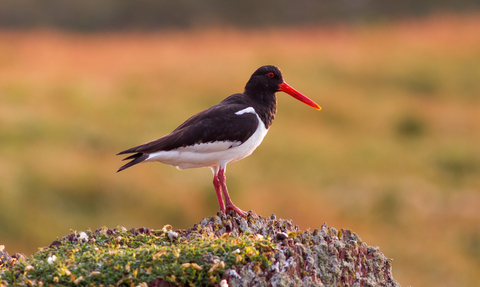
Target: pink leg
(228,202)
(217,185)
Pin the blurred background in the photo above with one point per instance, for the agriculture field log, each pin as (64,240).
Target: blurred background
(394,154)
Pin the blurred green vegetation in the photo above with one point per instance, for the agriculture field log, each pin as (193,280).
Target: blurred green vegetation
(93,15)
(393,155)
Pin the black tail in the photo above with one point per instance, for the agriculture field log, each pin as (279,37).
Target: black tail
(136,158)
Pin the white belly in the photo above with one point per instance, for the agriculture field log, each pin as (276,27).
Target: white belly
(216,154)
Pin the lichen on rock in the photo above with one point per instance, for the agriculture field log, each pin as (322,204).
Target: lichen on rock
(222,250)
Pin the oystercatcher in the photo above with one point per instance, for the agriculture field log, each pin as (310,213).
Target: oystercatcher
(224,133)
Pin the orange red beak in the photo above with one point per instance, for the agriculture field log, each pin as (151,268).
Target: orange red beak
(284,87)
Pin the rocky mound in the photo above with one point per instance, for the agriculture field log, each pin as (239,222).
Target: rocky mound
(223,250)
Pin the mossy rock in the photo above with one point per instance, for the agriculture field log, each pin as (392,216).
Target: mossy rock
(223,250)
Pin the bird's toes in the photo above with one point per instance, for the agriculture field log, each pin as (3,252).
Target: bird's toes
(237,210)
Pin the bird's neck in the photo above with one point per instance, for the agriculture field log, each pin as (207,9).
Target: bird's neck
(266,107)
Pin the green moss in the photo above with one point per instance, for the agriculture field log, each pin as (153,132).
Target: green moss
(120,256)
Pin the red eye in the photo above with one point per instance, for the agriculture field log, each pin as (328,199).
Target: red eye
(270,75)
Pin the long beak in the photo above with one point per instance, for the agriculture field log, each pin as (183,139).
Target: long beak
(284,87)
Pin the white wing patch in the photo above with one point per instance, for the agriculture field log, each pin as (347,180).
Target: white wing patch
(246,110)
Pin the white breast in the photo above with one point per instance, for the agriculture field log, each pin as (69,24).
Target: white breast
(216,154)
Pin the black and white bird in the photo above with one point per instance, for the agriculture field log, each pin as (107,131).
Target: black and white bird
(224,133)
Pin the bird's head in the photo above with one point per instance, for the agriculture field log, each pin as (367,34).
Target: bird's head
(270,79)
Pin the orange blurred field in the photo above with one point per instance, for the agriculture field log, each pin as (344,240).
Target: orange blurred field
(394,154)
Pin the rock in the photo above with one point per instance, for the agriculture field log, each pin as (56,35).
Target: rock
(6,260)
(326,257)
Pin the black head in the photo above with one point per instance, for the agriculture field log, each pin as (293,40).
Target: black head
(264,79)
(268,80)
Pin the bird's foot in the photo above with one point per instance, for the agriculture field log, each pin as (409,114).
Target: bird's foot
(237,210)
